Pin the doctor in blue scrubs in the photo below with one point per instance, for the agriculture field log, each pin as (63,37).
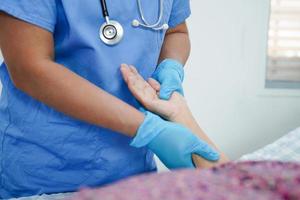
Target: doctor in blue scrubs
(67,119)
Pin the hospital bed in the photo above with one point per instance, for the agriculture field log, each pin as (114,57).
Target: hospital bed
(286,148)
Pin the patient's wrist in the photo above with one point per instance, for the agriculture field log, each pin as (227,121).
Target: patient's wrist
(184,117)
(180,113)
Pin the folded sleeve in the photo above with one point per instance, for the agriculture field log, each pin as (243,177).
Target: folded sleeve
(41,13)
(180,12)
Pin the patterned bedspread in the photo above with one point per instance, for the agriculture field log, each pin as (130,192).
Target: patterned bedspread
(284,149)
(259,180)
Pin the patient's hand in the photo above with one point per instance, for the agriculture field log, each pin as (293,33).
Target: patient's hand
(147,94)
(175,109)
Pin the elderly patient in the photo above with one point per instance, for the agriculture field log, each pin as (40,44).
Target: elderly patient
(175,109)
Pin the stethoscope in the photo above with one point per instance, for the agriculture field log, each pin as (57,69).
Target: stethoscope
(111,32)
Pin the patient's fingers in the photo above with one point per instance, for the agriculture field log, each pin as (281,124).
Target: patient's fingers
(146,86)
(131,77)
(136,82)
(131,80)
(141,89)
(154,84)
(125,72)
(134,70)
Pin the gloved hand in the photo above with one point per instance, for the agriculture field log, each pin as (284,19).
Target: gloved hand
(171,142)
(169,74)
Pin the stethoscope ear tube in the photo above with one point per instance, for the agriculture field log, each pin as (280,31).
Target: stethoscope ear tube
(136,23)
(144,23)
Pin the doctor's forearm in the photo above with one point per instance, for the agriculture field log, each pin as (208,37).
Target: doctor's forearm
(176,44)
(67,92)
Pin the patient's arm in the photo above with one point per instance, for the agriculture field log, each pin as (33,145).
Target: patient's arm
(175,109)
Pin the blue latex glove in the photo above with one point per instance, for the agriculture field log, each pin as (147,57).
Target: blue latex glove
(172,143)
(169,74)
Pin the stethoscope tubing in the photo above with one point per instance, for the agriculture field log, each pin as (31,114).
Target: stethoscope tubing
(104,8)
(111,32)
(146,23)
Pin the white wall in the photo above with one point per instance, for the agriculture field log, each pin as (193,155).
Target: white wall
(225,73)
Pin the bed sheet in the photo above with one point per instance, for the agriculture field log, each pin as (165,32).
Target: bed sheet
(286,148)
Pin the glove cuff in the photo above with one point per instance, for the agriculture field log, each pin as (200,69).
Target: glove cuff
(171,64)
(148,130)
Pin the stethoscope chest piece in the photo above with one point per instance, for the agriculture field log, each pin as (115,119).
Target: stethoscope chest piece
(111,32)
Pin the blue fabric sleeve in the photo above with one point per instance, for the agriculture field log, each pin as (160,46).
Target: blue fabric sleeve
(41,13)
(180,12)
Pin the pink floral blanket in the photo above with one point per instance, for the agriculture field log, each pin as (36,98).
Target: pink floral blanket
(245,180)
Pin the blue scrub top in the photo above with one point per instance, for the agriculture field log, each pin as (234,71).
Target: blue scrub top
(45,151)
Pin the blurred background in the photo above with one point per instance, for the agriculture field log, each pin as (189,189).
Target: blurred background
(243,78)
(228,77)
